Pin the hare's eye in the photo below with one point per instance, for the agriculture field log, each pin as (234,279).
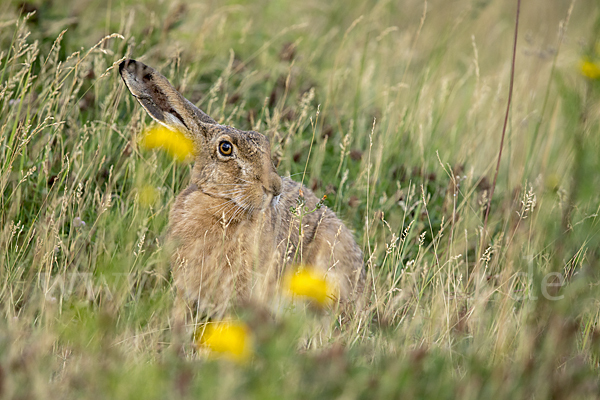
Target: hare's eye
(225,148)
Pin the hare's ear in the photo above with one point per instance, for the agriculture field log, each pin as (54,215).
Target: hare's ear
(160,99)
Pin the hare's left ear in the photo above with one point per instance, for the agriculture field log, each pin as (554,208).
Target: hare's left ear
(160,99)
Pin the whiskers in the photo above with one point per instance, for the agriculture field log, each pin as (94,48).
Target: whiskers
(237,200)
(236,204)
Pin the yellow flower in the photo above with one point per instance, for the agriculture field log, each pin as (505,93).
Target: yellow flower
(148,195)
(229,339)
(552,182)
(175,143)
(309,283)
(590,69)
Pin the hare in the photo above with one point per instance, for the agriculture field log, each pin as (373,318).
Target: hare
(234,228)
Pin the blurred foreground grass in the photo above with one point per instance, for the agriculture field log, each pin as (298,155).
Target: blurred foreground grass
(403,104)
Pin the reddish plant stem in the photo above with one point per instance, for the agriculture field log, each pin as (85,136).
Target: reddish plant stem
(510,92)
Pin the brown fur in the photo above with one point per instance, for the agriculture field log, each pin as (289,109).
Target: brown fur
(233,228)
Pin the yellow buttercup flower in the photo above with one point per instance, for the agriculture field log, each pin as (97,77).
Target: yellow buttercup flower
(148,195)
(175,143)
(590,69)
(311,284)
(229,339)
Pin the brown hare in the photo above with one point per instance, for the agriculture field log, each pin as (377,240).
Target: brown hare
(234,228)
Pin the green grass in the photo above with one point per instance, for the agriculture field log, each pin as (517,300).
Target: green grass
(404,116)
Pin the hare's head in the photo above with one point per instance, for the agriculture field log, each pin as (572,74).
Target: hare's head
(231,165)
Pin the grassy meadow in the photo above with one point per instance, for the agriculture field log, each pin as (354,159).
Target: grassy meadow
(394,110)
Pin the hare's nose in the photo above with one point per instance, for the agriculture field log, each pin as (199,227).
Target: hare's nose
(276,185)
(274,189)
(272,183)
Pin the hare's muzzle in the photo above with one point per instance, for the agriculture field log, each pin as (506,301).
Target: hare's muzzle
(276,184)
